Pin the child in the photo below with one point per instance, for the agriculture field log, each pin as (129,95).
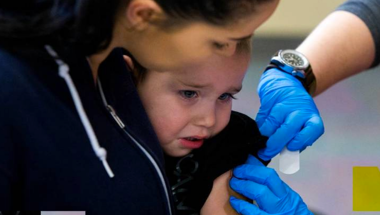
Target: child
(191,114)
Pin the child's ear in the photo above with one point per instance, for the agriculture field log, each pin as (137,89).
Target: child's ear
(129,62)
(140,13)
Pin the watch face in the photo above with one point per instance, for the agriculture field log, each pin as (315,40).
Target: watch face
(293,58)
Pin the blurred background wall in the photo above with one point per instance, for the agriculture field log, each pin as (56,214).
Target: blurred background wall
(350,110)
(296,18)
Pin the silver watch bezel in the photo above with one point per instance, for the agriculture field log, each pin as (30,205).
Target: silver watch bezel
(299,71)
(304,59)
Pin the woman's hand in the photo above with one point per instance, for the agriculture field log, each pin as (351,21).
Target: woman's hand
(288,114)
(262,184)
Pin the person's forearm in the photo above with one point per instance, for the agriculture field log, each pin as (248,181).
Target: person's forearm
(338,48)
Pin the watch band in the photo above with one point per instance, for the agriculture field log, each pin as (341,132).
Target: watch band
(309,82)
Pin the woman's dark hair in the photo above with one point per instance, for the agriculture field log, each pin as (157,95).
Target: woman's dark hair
(84,24)
(88,25)
(217,12)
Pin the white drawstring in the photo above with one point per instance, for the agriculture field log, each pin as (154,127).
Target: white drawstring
(100,152)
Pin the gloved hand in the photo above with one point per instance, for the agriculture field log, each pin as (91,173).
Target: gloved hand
(288,114)
(262,184)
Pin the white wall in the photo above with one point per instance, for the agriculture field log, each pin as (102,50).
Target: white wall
(296,18)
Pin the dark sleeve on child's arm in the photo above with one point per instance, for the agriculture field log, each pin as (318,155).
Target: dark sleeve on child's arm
(224,152)
(250,134)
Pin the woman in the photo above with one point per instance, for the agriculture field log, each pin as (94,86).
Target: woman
(55,126)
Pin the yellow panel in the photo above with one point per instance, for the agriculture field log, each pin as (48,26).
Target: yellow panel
(366,188)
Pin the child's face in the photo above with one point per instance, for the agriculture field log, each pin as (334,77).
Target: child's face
(188,106)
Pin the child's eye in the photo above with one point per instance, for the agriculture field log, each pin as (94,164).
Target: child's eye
(188,94)
(226,96)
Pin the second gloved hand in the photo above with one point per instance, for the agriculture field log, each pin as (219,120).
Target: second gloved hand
(262,184)
(288,114)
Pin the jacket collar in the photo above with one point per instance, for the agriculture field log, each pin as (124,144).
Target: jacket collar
(121,93)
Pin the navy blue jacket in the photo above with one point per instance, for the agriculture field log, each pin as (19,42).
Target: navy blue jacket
(46,159)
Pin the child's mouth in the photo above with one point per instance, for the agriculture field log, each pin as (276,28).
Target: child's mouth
(192,139)
(191,142)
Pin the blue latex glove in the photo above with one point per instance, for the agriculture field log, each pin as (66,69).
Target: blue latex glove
(288,114)
(262,184)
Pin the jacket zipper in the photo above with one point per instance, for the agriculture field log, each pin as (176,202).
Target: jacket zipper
(116,117)
(112,111)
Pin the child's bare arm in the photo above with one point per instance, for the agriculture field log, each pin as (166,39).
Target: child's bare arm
(218,200)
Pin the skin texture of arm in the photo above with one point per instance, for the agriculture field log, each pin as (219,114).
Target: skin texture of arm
(218,200)
(341,46)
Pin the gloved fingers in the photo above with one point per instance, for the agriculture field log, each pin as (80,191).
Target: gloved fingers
(278,81)
(254,161)
(292,203)
(299,206)
(273,121)
(268,102)
(245,208)
(260,175)
(270,96)
(264,197)
(312,130)
(287,131)
(280,90)
(261,116)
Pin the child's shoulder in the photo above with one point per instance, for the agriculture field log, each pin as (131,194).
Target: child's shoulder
(242,122)
(219,154)
(231,146)
(241,132)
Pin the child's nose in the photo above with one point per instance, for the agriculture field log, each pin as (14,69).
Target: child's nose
(206,117)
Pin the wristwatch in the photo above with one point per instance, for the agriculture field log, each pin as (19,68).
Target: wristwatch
(294,63)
